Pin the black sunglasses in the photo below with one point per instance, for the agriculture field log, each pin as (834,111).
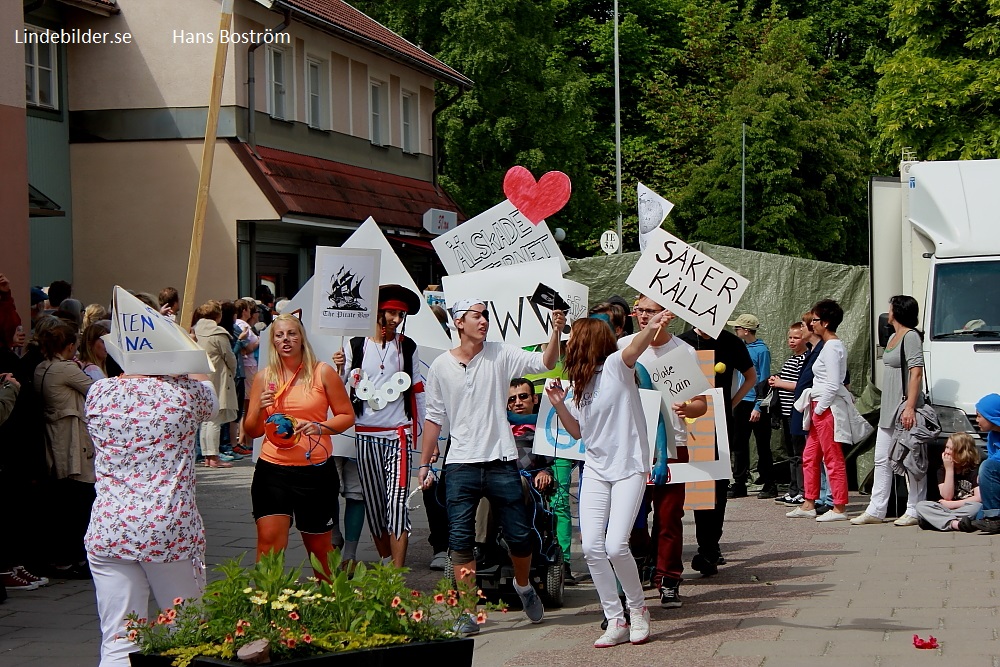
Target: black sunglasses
(523,397)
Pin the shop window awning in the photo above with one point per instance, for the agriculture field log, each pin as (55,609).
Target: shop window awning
(299,184)
(41,206)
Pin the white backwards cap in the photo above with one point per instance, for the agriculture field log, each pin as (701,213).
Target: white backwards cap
(464,305)
(144,342)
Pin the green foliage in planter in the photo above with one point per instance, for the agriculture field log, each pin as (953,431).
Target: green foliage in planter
(365,608)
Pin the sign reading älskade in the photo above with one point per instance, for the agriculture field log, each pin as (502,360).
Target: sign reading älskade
(689,283)
(500,236)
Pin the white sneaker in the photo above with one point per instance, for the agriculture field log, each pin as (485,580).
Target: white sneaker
(906,520)
(832,516)
(799,513)
(639,630)
(865,518)
(617,633)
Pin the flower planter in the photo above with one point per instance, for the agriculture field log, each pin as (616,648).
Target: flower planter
(451,652)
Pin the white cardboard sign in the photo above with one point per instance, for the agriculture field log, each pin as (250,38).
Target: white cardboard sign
(678,376)
(500,236)
(144,342)
(345,291)
(653,210)
(692,285)
(703,471)
(422,327)
(513,319)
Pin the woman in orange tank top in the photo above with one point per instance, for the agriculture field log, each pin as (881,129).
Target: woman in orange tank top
(295,476)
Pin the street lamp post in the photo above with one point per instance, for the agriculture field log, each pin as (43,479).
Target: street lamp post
(618,135)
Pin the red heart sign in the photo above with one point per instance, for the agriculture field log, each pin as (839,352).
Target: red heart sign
(536,200)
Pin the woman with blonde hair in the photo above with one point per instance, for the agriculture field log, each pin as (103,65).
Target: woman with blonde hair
(93,354)
(606,413)
(295,476)
(958,484)
(95,312)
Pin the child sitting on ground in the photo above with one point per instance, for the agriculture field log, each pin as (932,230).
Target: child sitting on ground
(958,483)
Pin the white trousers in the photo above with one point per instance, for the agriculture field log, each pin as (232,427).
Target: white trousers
(607,514)
(123,587)
(882,482)
(210,435)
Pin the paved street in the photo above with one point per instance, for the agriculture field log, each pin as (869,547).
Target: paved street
(794,593)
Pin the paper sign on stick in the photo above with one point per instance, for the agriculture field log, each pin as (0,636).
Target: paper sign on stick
(546,297)
(144,342)
(653,210)
(692,285)
(678,376)
(345,293)
(500,236)
(422,327)
(507,291)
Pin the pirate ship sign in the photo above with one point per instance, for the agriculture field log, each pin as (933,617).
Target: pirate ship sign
(346,291)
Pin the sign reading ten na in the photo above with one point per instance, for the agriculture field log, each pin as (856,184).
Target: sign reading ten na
(692,285)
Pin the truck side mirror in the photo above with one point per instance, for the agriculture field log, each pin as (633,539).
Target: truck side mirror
(885,330)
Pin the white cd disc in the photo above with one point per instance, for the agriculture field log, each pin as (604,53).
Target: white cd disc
(401,381)
(390,393)
(365,389)
(377,402)
(355,377)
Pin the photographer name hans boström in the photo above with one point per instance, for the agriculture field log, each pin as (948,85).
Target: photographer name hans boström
(231,37)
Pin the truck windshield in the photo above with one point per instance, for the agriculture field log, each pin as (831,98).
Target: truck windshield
(966,301)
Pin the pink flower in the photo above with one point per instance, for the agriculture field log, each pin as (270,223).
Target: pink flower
(294,615)
(481,617)
(133,635)
(417,616)
(415,594)
(290,643)
(239,631)
(439,598)
(229,638)
(395,601)
(307,638)
(452,602)
(178,601)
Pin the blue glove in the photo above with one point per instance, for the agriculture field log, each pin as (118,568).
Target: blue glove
(661,473)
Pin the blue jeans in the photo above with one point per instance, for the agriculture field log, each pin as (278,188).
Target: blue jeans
(989,487)
(500,483)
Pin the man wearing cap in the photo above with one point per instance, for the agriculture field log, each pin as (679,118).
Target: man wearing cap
(468,386)
(382,373)
(747,415)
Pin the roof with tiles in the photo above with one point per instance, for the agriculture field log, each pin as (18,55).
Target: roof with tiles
(342,18)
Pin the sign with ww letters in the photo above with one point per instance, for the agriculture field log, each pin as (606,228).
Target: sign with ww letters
(689,283)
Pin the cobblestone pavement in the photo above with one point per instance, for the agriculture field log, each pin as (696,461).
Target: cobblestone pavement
(794,592)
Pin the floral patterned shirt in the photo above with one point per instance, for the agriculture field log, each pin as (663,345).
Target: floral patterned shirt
(143,430)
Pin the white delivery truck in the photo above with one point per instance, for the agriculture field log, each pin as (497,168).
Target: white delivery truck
(935,235)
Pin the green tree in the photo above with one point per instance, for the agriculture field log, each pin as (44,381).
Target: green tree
(939,92)
(805,171)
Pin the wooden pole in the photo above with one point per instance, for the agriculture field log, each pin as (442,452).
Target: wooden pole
(207,158)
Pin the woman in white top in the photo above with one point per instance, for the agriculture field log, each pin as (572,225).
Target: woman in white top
(385,425)
(606,414)
(821,448)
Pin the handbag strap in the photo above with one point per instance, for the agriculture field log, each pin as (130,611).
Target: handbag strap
(902,358)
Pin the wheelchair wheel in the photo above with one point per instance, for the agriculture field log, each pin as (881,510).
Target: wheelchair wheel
(552,595)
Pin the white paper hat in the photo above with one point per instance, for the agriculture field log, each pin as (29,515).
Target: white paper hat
(144,342)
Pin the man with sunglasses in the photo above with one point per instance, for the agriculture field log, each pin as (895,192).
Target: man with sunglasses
(468,387)
(522,401)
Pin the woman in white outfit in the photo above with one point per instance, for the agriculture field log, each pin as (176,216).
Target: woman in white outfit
(145,530)
(903,316)
(607,414)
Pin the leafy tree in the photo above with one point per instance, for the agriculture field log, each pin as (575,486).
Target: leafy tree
(938,92)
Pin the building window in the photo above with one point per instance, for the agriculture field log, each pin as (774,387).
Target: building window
(316,95)
(41,89)
(378,112)
(409,122)
(278,101)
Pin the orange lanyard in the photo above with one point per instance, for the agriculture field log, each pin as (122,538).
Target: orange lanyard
(285,387)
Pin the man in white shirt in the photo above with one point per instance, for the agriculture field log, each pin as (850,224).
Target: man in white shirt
(468,386)
(668,499)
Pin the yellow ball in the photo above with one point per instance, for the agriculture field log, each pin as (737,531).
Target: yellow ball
(720,367)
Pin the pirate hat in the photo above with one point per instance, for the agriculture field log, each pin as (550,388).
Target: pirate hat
(397,297)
